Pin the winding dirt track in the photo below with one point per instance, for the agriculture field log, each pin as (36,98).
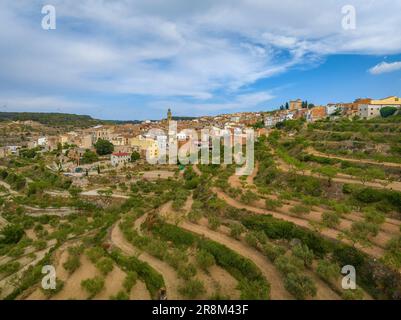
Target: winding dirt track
(390,226)
(169,275)
(278,291)
(314,152)
(344,178)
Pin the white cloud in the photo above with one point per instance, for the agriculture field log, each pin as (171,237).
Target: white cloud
(174,49)
(384,67)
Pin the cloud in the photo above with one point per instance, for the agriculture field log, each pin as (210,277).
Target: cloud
(243,102)
(384,67)
(204,51)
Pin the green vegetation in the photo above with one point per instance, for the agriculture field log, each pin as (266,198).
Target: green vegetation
(89,157)
(192,289)
(105,265)
(103,147)
(51,119)
(205,260)
(11,233)
(135,156)
(93,286)
(300,286)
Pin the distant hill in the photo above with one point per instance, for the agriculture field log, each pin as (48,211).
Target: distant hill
(58,119)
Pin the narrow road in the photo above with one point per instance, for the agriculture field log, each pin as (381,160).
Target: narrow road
(269,271)
(314,152)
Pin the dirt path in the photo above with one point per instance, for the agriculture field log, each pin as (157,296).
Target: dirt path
(60,212)
(344,178)
(315,215)
(3,222)
(249,179)
(278,292)
(330,233)
(140,292)
(8,187)
(235,181)
(169,275)
(196,170)
(6,284)
(314,152)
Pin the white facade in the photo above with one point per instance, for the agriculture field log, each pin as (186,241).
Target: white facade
(42,141)
(368,111)
(119,158)
(181,136)
(330,109)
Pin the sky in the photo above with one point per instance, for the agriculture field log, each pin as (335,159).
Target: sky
(132,60)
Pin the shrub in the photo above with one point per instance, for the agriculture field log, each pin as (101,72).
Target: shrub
(52,292)
(192,289)
(9,267)
(300,209)
(93,286)
(249,197)
(236,230)
(392,256)
(186,271)
(121,295)
(251,239)
(254,290)
(214,222)
(154,280)
(94,254)
(105,265)
(372,216)
(300,286)
(40,244)
(11,233)
(327,270)
(72,263)
(204,259)
(288,265)
(103,147)
(157,248)
(387,111)
(330,219)
(194,216)
(356,294)
(272,251)
(272,204)
(175,257)
(304,253)
(130,280)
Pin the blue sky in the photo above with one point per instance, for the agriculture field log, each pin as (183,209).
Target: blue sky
(134,59)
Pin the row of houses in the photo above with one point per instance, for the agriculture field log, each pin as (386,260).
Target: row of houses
(364,108)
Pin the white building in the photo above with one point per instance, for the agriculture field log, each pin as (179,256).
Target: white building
(42,141)
(119,158)
(369,111)
(331,109)
(181,136)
